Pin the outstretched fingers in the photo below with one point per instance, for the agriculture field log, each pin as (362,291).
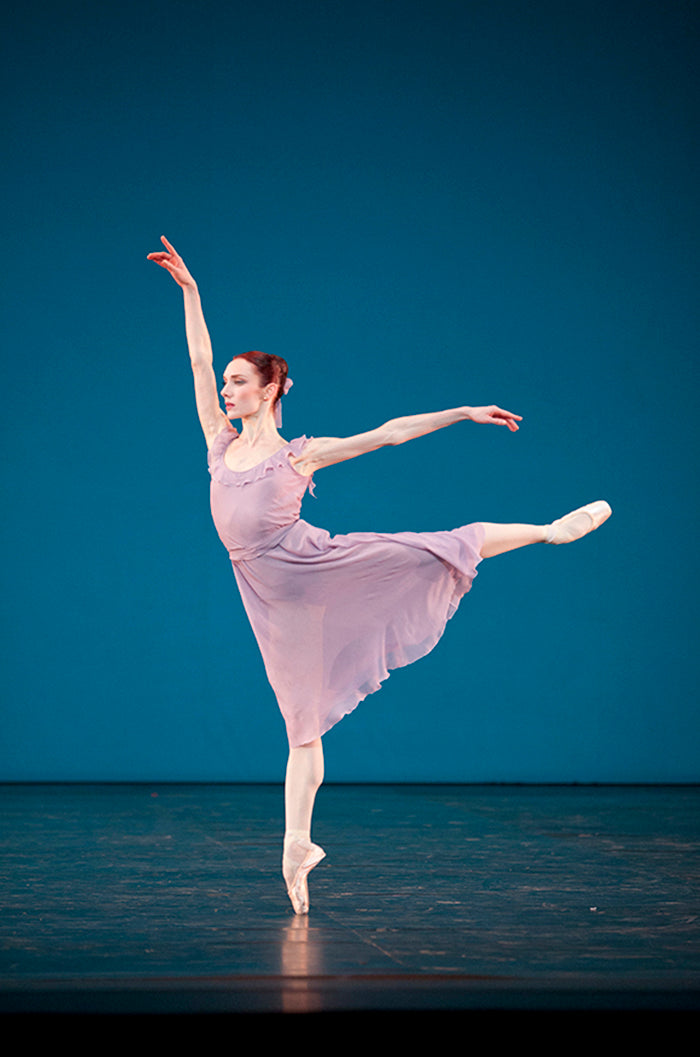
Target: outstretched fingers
(505,418)
(163,257)
(173,263)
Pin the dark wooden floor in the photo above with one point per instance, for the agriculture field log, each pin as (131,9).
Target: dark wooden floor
(168,899)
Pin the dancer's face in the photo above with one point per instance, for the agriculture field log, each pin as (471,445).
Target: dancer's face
(242,393)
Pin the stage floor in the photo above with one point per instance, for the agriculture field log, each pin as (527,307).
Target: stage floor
(169,899)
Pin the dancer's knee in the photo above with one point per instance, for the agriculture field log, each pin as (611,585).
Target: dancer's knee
(306,763)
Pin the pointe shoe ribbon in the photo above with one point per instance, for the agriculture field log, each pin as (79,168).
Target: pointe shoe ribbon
(579,522)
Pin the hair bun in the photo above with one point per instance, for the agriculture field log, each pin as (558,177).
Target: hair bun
(272,369)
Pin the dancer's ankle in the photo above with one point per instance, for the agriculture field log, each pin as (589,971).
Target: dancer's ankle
(297,834)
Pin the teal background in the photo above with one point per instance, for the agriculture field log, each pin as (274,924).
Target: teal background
(420,205)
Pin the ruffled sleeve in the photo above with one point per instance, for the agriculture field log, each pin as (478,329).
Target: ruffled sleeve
(296,447)
(215,455)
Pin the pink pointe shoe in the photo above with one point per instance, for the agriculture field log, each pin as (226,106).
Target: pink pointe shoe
(579,522)
(300,857)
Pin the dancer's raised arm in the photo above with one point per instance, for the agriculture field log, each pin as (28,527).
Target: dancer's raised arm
(211,416)
(324,451)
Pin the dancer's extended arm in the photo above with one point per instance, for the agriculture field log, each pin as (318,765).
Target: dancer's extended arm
(211,416)
(324,451)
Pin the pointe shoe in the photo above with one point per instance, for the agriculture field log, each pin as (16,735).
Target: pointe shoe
(579,522)
(298,890)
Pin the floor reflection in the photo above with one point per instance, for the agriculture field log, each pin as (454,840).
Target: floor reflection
(302,961)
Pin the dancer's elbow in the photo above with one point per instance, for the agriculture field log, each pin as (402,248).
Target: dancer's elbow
(391,433)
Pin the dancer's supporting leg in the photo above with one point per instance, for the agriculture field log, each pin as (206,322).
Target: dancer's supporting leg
(501,538)
(303,780)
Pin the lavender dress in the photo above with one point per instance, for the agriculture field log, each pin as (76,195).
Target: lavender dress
(331,614)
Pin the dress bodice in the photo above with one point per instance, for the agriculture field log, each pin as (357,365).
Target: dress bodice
(254,509)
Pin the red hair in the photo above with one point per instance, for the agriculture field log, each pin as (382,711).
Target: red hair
(272,369)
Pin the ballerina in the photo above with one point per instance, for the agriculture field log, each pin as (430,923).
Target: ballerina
(331,615)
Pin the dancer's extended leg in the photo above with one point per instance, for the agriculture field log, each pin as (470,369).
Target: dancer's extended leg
(501,538)
(303,780)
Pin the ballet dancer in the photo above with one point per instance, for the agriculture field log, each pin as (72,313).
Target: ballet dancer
(332,615)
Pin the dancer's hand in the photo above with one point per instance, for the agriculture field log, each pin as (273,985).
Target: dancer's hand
(173,263)
(495,416)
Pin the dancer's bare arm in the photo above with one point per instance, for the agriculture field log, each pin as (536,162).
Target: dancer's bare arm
(211,416)
(324,451)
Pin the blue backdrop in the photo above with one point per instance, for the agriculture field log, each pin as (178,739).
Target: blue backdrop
(420,204)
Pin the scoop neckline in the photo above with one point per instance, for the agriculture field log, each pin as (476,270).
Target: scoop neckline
(249,469)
